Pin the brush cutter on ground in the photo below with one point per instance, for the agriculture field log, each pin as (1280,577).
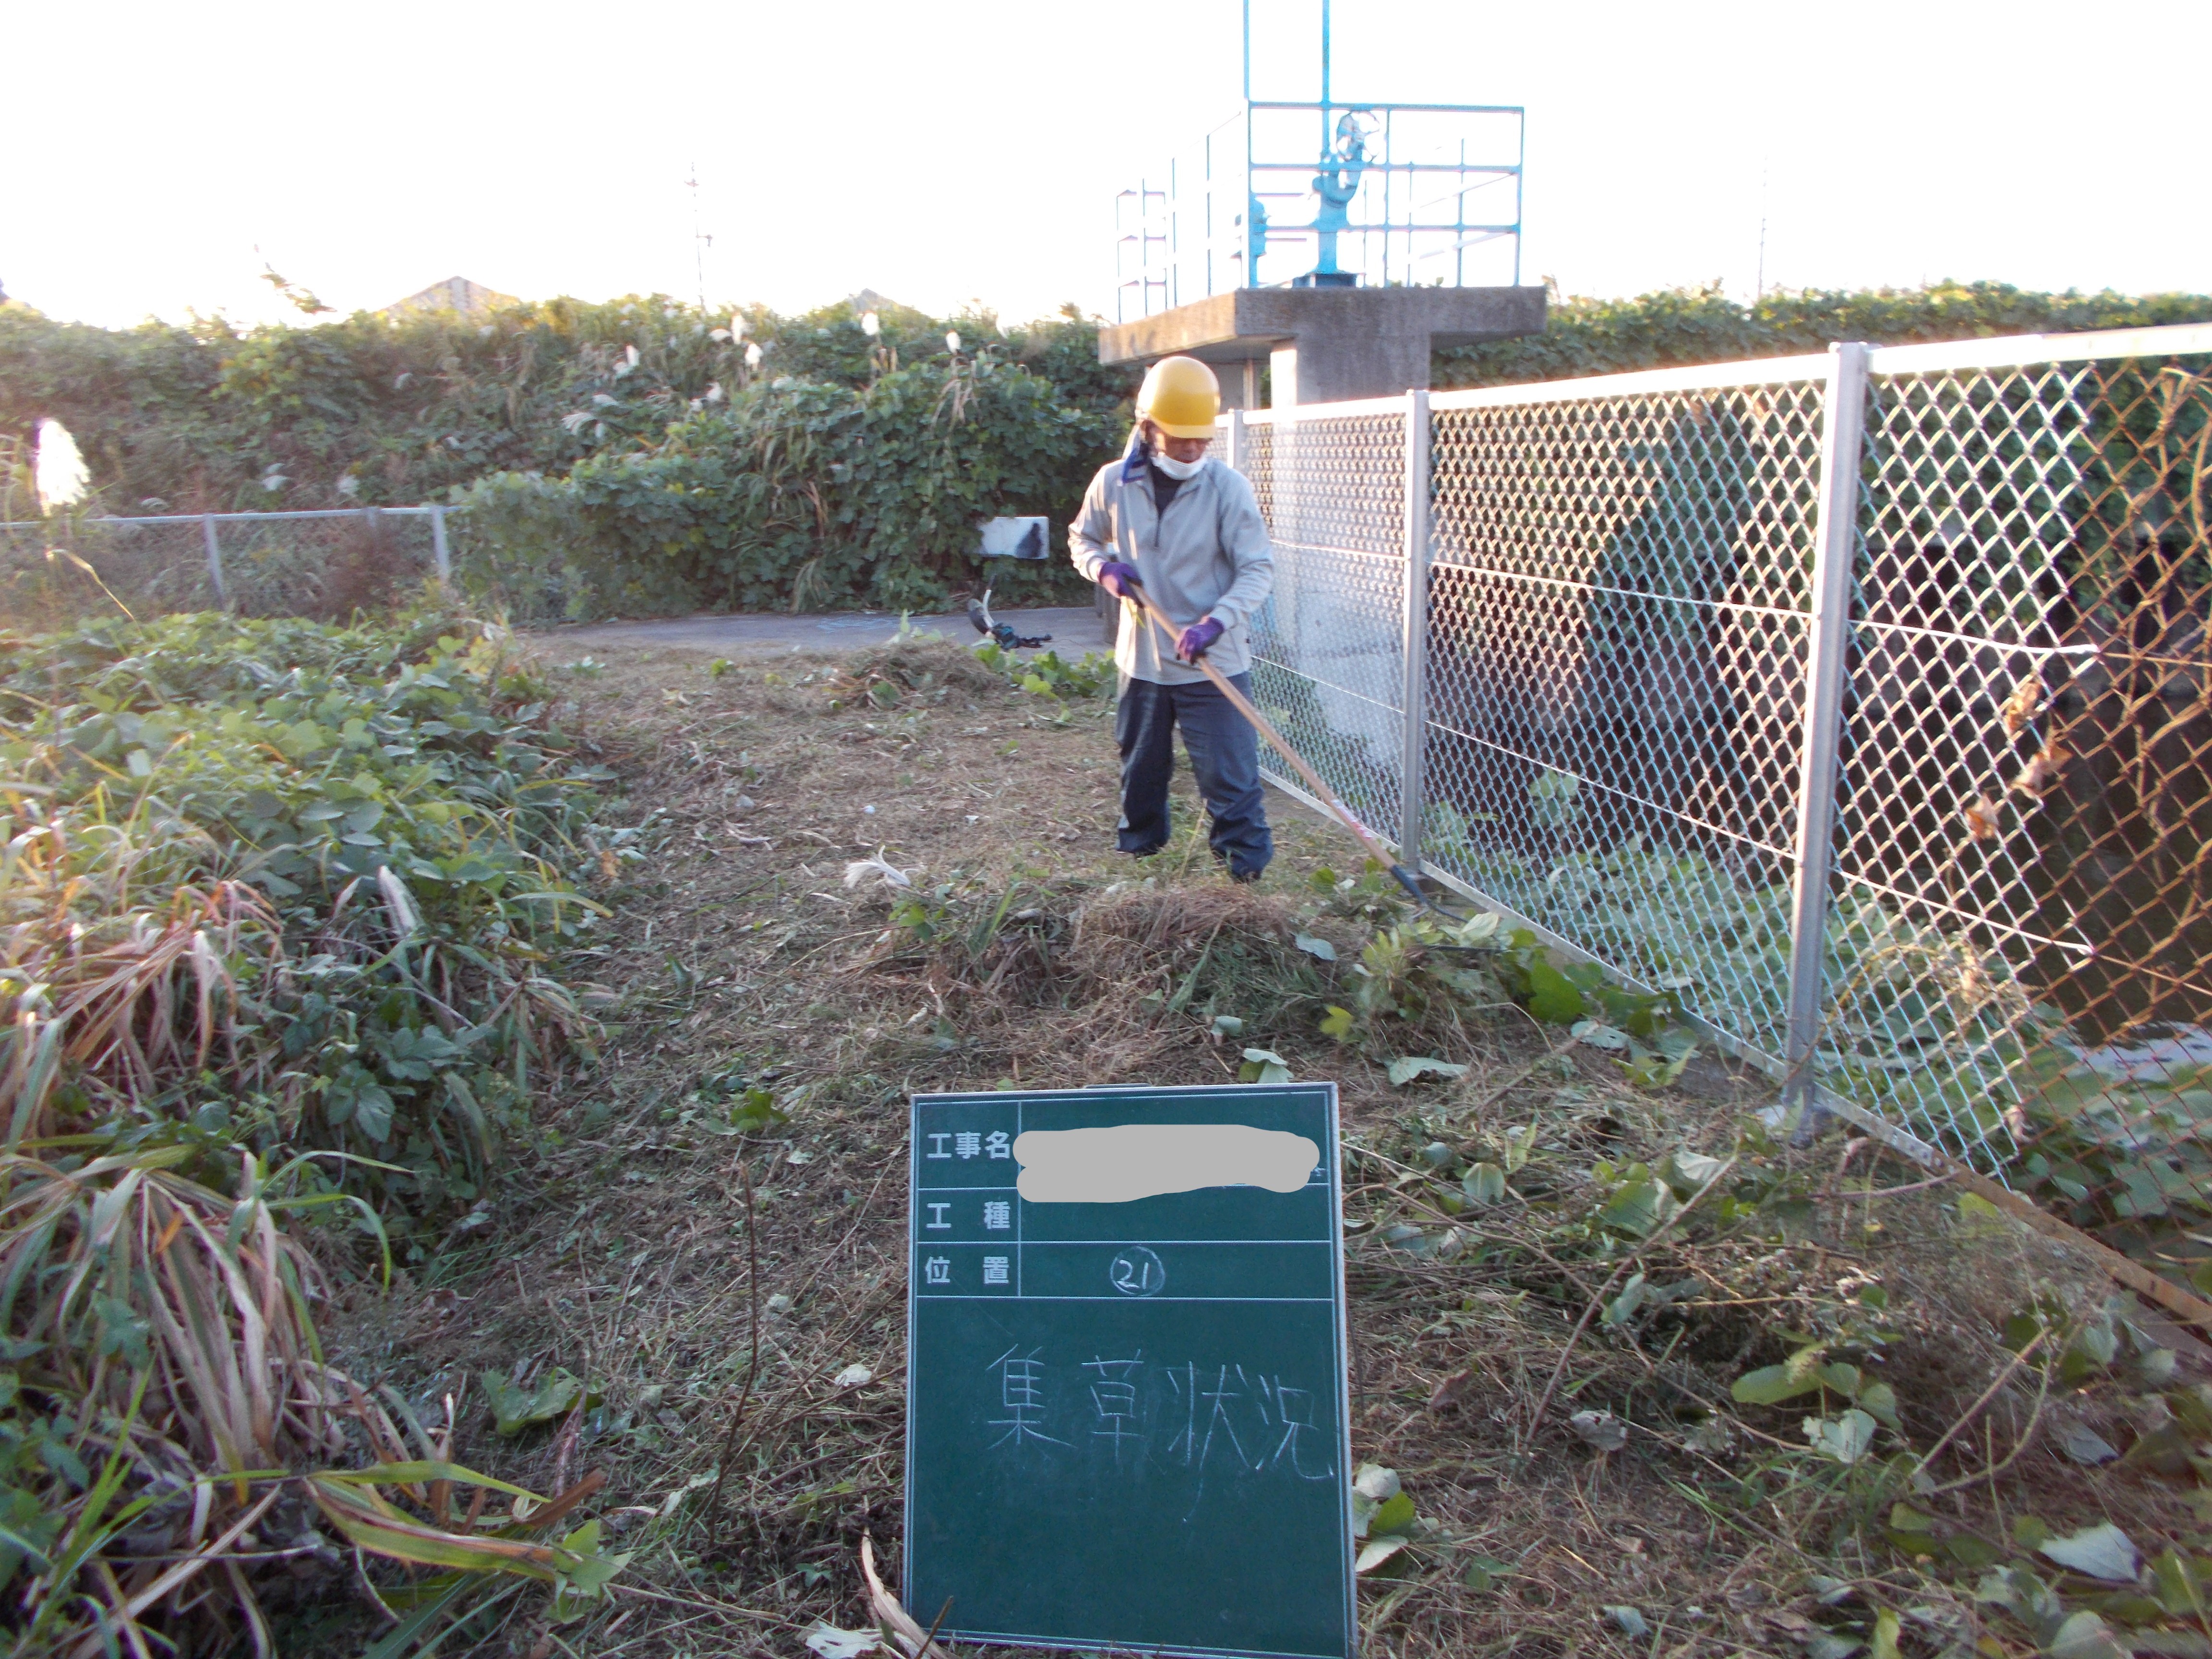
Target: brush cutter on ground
(979,615)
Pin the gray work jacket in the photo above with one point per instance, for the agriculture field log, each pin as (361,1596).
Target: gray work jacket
(1207,556)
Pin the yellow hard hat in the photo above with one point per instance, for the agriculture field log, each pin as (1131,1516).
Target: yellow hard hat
(1180,397)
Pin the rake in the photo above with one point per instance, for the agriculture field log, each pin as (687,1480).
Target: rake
(1343,814)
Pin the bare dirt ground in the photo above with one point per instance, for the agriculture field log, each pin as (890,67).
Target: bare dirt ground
(735,957)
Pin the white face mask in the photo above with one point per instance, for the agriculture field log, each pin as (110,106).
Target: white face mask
(1181,472)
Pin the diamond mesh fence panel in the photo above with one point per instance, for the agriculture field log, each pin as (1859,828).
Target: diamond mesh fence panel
(326,565)
(1329,645)
(2016,960)
(2021,969)
(1617,607)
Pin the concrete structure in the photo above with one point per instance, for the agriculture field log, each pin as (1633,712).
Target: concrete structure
(1325,344)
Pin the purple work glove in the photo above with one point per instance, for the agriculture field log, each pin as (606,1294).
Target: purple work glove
(1197,638)
(1118,579)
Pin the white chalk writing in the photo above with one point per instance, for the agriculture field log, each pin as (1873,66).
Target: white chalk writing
(1113,1397)
(1215,1422)
(1021,1396)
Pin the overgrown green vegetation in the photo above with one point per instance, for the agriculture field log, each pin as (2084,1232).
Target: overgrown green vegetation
(356,845)
(635,457)
(796,493)
(361,411)
(644,457)
(1685,325)
(280,903)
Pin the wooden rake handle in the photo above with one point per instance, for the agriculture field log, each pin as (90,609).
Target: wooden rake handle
(1242,704)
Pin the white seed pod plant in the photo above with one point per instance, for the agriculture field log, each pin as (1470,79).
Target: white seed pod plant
(59,470)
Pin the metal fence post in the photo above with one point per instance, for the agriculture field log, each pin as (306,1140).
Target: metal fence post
(214,558)
(1413,765)
(1835,524)
(439,548)
(1235,440)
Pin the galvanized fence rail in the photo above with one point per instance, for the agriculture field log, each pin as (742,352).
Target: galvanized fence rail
(302,563)
(1862,701)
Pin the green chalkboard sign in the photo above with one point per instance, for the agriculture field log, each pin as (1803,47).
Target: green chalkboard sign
(1126,1418)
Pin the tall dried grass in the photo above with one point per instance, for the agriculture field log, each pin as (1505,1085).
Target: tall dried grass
(124,997)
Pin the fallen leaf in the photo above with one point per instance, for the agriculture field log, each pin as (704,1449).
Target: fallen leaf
(832,1643)
(2037,777)
(2085,1636)
(1263,1065)
(886,873)
(2085,1445)
(1374,1481)
(1629,1621)
(1404,1070)
(1376,1552)
(1982,819)
(852,1376)
(2101,1551)
(1447,1393)
(2021,707)
(1600,1429)
(1845,1438)
(1313,945)
(1483,1572)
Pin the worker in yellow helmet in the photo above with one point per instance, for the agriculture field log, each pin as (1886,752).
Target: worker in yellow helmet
(1188,530)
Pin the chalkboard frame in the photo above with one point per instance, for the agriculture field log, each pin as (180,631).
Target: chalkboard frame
(1208,1103)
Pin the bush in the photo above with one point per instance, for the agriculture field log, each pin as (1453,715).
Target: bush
(370,411)
(802,494)
(287,886)
(1703,325)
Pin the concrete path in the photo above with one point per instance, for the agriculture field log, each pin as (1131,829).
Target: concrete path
(1074,631)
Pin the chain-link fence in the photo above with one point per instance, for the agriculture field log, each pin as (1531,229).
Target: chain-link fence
(326,565)
(1329,649)
(1932,623)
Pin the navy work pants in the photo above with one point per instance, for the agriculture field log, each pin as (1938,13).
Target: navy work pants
(1224,758)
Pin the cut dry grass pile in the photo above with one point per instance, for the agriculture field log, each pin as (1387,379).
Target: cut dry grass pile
(1560,1284)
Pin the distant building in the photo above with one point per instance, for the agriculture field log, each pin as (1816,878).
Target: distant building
(455,293)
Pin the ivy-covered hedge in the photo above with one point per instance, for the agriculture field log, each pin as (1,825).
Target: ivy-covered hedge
(1704,325)
(363,411)
(798,493)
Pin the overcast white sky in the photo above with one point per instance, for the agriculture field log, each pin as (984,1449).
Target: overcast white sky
(970,149)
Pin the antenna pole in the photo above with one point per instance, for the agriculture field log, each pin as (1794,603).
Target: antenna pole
(1759,281)
(1247,58)
(1324,59)
(700,242)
